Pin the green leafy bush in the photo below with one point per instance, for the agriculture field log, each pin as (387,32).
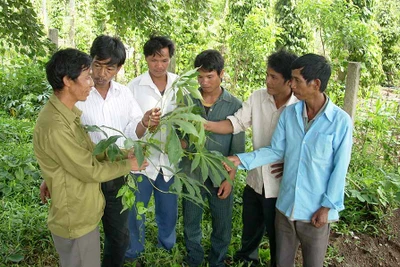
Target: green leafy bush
(23,87)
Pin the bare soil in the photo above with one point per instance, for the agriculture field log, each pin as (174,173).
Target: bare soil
(363,250)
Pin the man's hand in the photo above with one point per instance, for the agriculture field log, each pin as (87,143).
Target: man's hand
(235,160)
(208,125)
(224,190)
(320,217)
(134,163)
(277,169)
(151,118)
(44,192)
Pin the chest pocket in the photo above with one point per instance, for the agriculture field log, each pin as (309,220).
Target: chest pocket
(323,147)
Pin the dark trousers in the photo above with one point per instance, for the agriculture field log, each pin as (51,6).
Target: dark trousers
(258,218)
(221,217)
(115,225)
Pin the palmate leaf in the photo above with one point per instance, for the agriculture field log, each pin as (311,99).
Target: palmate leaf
(102,146)
(173,146)
(186,127)
(218,172)
(195,162)
(192,189)
(156,146)
(177,186)
(194,92)
(204,169)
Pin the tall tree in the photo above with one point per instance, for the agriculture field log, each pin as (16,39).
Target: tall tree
(293,36)
(20,29)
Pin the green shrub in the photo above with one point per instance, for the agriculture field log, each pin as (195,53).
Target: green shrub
(23,87)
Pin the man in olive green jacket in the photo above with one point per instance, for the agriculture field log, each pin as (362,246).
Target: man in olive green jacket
(65,155)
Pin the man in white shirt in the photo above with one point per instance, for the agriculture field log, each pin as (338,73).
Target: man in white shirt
(261,112)
(112,104)
(153,90)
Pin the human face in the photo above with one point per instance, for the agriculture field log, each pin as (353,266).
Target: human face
(276,84)
(301,89)
(158,63)
(209,81)
(103,73)
(80,88)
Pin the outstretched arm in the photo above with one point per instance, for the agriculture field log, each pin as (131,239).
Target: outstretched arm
(219,127)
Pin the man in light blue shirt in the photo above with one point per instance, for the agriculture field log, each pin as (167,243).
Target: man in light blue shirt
(313,138)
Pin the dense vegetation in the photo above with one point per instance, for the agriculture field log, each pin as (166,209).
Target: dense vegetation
(245,32)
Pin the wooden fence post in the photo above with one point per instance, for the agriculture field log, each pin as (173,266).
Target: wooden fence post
(352,83)
(53,36)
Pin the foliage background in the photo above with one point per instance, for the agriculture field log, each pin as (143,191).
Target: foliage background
(245,32)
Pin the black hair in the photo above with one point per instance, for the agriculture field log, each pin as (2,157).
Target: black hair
(154,45)
(313,67)
(210,60)
(281,62)
(68,62)
(107,47)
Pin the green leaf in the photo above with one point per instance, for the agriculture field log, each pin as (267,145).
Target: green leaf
(204,169)
(128,198)
(177,185)
(174,149)
(94,128)
(129,143)
(131,182)
(122,190)
(104,144)
(141,209)
(113,152)
(138,151)
(186,127)
(16,257)
(195,162)
(19,174)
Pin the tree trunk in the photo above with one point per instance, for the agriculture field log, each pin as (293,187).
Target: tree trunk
(72,14)
(44,15)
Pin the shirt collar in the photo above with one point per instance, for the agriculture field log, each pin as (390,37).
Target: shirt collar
(69,115)
(325,109)
(290,101)
(146,80)
(111,91)
(224,96)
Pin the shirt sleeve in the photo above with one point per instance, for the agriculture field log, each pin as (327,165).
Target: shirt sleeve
(135,116)
(241,120)
(334,195)
(269,154)
(79,161)
(238,143)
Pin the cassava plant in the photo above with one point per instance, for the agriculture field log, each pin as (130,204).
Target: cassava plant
(183,122)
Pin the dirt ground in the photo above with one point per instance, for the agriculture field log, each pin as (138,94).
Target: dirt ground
(363,250)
